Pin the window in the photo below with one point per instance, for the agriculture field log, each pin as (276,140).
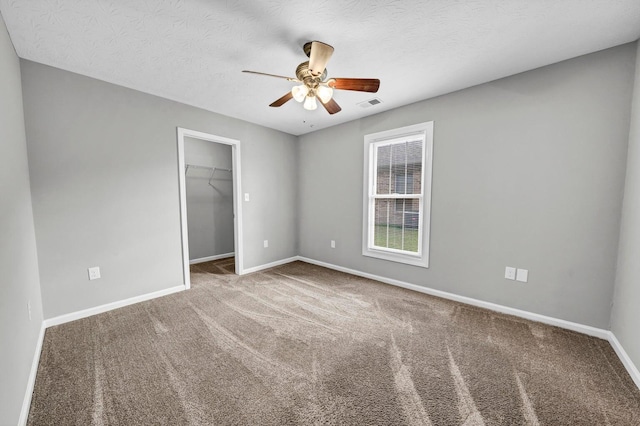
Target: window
(397,201)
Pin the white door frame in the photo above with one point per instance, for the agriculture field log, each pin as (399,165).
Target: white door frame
(237,205)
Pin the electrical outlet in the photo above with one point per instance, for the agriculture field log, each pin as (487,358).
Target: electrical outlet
(266,243)
(333,244)
(94,273)
(522,275)
(510,273)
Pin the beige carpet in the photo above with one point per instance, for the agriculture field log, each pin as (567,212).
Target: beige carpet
(300,344)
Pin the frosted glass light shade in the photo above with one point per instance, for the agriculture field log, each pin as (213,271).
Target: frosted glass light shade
(299,92)
(310,103)
(324,93)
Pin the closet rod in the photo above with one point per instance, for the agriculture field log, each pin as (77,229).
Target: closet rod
(193,166)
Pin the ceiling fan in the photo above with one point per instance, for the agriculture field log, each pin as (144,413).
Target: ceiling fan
(315,85)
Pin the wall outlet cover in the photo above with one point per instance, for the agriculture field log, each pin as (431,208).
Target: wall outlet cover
(333,244)
(510,273)
(266,243)
(522,275)
(94,273)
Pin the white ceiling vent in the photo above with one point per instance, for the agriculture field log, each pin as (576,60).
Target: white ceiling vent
(370,103)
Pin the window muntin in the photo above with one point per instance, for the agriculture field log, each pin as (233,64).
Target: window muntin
(398,181)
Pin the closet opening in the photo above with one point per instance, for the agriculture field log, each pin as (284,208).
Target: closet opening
(210,208)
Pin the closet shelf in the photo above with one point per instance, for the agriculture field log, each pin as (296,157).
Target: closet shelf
(212,169)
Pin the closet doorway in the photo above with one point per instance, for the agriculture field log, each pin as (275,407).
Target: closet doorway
(210,208)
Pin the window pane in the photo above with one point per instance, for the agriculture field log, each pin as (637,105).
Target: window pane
(414,167)
(404,183)
(399,168)
(396,224)
(383,183)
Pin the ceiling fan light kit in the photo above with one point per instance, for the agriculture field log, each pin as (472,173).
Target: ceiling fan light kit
(299,92)
(312,74)
(310,103)
(324,92)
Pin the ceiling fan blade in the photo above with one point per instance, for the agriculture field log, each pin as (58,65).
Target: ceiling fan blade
(288,96)
(320,55)
(272,75)
(332,106)
(357,84)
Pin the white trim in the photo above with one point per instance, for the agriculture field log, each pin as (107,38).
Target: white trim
(50,322)
(26,402)
(580,328)
(624,357)
(184,232)
(210,258)
(270,265)
(237,204)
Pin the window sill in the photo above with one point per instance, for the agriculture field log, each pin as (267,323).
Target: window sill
(421,261)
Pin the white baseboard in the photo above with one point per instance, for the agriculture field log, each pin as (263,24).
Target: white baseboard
(624,357)
(26,402)
(580,328)
(50,322)
(210,258)
(269,265)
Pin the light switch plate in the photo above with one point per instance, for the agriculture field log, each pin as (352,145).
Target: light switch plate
(333,243)
(510,273)
(246,196)
(266,243)
(522,275)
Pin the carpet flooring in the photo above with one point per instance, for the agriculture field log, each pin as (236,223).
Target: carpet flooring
(300,345)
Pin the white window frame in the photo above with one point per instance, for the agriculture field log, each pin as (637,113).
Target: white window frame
(371,142)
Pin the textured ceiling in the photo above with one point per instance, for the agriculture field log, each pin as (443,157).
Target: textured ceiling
(194,51)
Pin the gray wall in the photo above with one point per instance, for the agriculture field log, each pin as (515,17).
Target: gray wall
(19,282)
(625,317)
(528,171)
(209,198)
(104,182)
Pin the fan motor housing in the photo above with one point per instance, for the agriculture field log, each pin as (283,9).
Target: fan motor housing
(304,75)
